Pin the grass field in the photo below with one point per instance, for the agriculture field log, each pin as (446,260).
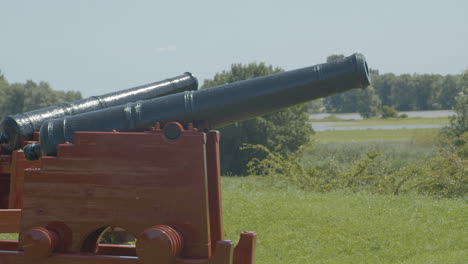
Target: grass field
(398,147)
(298,227)
(388,121)
(418,136)
(8,236)
(304,227)
(397,121)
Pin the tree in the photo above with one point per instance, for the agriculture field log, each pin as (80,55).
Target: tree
(367,102)
(315,106)
(335,57)
(383,87)
(449,89)
(459,122)
(285,130)
(457,133)
(18,98)
(464,80)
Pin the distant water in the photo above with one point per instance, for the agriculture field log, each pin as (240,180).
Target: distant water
(330,126)
(356,116)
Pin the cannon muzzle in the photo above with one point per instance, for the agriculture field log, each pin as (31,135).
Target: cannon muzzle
(15,129)
(213,107)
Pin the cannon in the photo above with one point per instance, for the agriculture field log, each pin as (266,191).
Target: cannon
(15,129)
(214,107)
(150,167)
(18,129)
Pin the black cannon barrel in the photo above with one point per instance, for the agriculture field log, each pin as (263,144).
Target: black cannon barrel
(212,107)
(14,129)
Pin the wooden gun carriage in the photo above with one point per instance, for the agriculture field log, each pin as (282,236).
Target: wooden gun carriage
(151,167)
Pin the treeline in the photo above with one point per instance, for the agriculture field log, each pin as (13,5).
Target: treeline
(23,97)
(404,92)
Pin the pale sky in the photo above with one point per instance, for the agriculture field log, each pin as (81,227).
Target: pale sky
(101,46)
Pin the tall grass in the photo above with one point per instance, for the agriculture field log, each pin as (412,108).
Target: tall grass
(408,163)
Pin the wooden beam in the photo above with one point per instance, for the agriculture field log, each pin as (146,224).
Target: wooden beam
(10,220)
(8,244)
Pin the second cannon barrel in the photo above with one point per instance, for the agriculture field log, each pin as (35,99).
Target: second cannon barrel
(14,129)
(213,107)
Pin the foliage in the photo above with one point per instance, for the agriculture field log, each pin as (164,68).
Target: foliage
(459,122)
(368,103)
(315,106)
(457,133)
(418,91)
(288,128)
(388,112)
(19,97)
(335,57)
(393,167)
(365,102)
(404,92)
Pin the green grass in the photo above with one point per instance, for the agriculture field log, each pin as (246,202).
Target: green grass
(386,121)
(9,236)
(400,146)
(420,136)
(396,121)
(298,227)
(304,227)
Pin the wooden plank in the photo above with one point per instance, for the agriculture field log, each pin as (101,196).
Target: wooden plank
(10,220)
(130,180)
(5,161)
(16,257)
(6,244)
(116,250)
(214,187)
(18,165)
(244,252)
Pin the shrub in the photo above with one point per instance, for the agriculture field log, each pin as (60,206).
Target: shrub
(442,175)
(388,112)
(457,133)
(459,122)
(403,116)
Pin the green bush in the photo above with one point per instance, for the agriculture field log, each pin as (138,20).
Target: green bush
(288,128)
(456,134)
(441,175)
(388,112)
(459,122)
(403,116)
